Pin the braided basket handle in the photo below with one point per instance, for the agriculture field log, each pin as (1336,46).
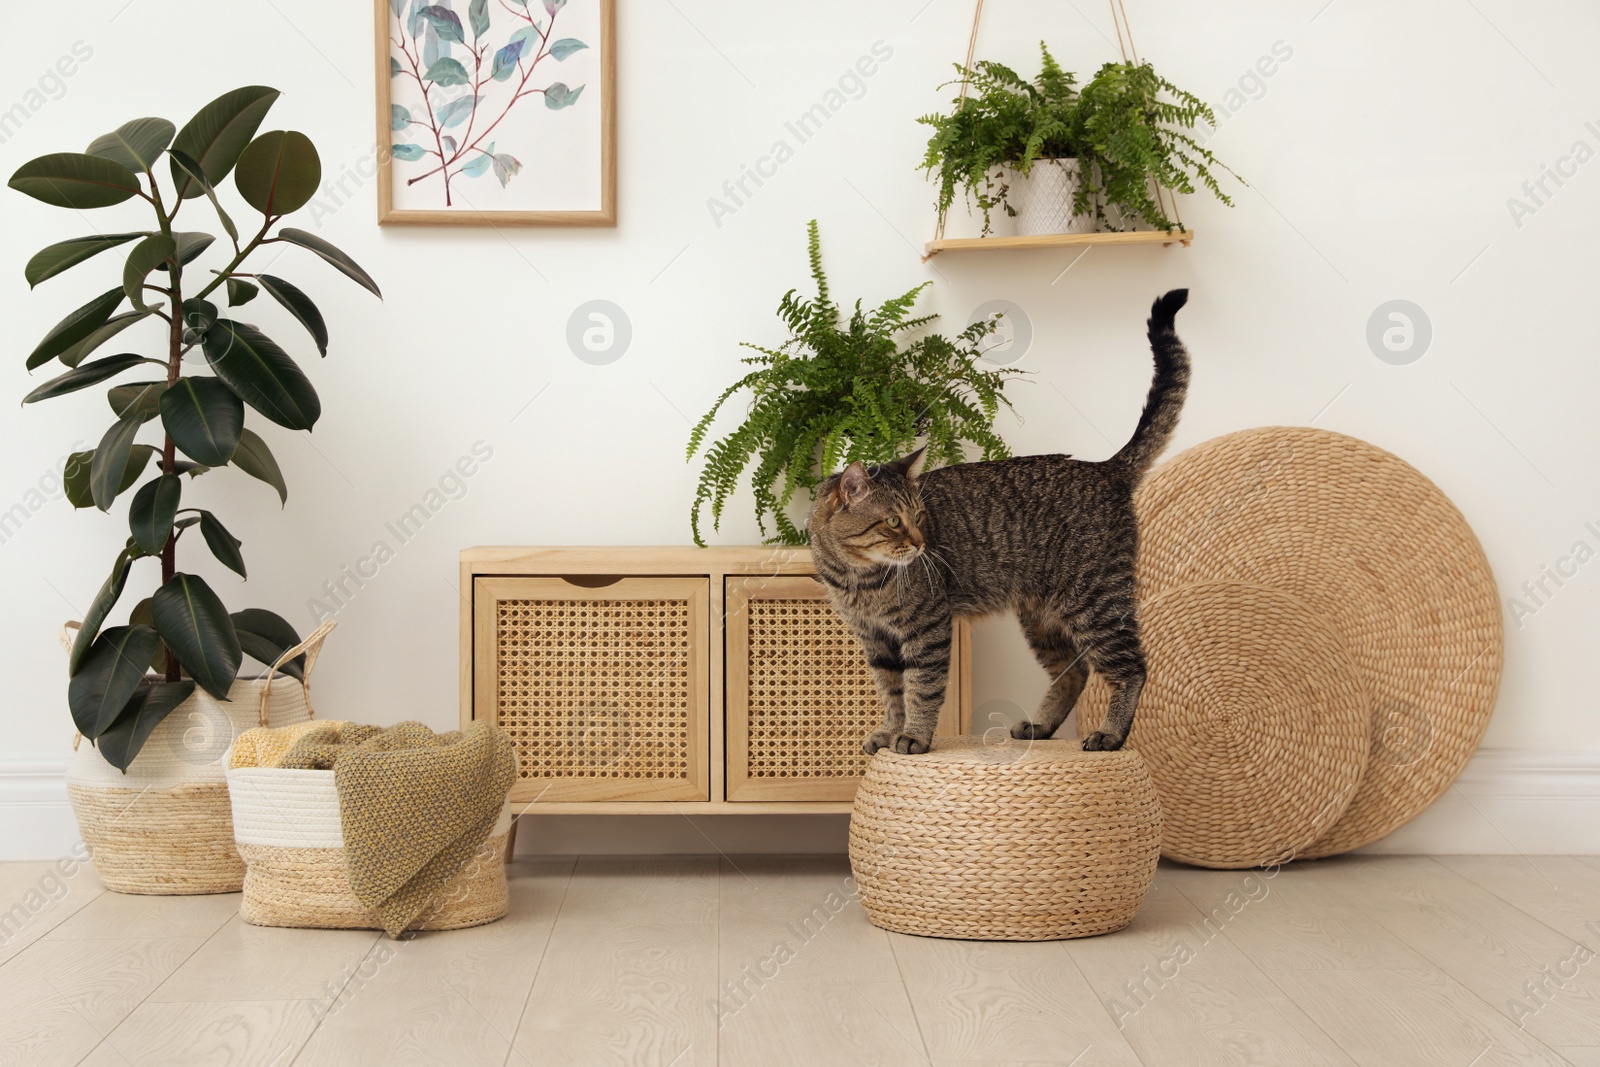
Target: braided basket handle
(69,632)
(312,647)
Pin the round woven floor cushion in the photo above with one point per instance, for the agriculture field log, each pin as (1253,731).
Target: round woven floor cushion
(1253,723)
(1014,841)
(1366,542)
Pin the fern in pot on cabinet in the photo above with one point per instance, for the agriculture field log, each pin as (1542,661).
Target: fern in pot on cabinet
(845,385)
(159,696)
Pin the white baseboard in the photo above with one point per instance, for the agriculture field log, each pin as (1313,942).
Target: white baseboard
(1506,802)
(35,821)
(1511,802)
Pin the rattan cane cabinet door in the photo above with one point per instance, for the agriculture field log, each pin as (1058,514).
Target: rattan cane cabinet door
(800,694)
(600,682)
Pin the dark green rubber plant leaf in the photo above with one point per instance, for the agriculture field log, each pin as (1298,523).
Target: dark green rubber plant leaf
(223,544)
(75,476)
(102,333)
(150,704)
(99,608)
(111,460)
(265,635)
(204,418)
(75,180)
(256,459)
(198,316)
(190,244)
(75,327)
(218,133)
(108,676)
(240,292)
(300,306)
(182,161)
(143,397)
(48,262)
(146,256)
(196,627)
(154,508)
(279,172)
(140,616)
(333,256)
(137,145)
(262,374)
(84,375)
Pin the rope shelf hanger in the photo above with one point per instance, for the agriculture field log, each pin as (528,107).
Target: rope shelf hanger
(1164,196)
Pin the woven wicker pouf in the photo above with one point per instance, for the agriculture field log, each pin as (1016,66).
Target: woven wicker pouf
(1011,841)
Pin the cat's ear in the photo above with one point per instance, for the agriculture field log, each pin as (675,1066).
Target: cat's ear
(911,466)
(853,483)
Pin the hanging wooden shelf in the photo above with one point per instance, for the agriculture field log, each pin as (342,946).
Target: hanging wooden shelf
(1057,240)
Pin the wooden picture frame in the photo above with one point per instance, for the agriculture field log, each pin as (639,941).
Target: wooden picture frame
(479,189)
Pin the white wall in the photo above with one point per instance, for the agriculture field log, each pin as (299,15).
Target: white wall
(1380,154)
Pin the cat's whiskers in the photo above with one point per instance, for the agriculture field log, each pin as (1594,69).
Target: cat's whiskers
(938,557)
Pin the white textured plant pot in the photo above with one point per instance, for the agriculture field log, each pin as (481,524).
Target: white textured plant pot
(1042,199)
(166,827)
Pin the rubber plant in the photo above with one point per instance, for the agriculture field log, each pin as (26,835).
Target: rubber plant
(840,390)
(182,630)
(1128,127)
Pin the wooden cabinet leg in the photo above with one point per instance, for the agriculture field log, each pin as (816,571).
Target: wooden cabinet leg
(511,839)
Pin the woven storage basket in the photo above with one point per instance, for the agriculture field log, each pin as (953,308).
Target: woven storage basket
(165,827)
(1253,723)
(288,829)
(1368,543)
(1016,841)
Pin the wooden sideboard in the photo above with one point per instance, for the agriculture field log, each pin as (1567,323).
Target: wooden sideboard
(672,680)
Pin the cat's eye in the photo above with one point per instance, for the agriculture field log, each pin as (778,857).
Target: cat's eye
(893,521)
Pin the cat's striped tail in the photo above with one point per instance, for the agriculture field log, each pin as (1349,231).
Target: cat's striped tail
(1167,391)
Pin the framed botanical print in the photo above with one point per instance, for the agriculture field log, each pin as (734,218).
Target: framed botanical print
(497,112)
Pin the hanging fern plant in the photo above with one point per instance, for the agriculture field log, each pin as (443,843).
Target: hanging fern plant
(842,390)
(1127,127)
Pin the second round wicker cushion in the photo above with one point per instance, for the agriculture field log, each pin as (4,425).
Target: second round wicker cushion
(1253,723)
(1019,841)
(1366,541)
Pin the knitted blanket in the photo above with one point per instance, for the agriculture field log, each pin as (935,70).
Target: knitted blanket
(414,805)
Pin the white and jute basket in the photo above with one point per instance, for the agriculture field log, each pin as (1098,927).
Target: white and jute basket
(288,829)
(165,827)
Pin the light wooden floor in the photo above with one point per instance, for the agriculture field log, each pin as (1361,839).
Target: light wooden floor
(1457,961)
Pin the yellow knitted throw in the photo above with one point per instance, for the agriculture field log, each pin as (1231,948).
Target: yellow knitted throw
(262,746)
(414,805)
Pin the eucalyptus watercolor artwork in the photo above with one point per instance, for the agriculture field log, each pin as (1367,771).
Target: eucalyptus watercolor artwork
(497,107)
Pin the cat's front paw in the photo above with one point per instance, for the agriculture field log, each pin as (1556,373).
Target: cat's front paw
(1030,731)
(876,740)
(1100,741)
(907,745)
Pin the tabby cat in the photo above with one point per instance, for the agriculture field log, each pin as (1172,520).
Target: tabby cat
(903,553)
